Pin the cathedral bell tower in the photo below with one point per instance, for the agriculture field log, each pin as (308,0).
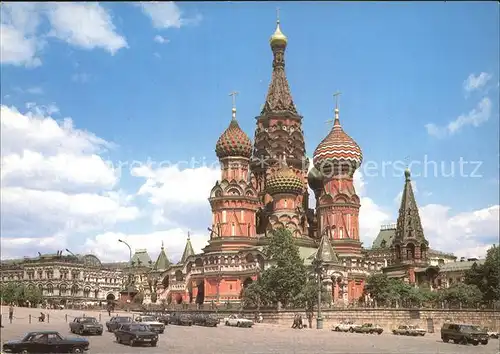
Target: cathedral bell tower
(279,131)
(233,199)
(336,159)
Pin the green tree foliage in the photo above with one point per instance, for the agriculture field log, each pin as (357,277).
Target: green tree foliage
(486,276)
(20,294)
(8,292)
(308,297)
(285,279)
(467,295)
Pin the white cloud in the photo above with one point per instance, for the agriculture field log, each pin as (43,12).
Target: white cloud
(466,233)
(107,247)
(54,184)
(161,39)
(85,25)
(35,90)
(166,14)
(476,82)
(19,44)
(475,118)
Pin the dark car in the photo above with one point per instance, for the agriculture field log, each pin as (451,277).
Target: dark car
(114,323)
(181,319)
(83,325)
(164,318)
(463,334)
(46,342)
(202,319)
(136,333)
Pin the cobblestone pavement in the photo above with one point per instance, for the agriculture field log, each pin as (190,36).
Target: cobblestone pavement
(261,339)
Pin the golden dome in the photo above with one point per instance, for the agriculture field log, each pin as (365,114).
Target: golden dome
(284,181)
(278,38)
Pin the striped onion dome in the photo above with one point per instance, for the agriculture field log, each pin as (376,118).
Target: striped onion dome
(284,181)
(337,149)
(233,142)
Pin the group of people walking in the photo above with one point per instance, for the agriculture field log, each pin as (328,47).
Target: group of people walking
(299,324)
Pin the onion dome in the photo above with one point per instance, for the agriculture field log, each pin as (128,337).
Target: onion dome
(284,181)
(337,150)
(278,39)
(233,142)
(315,179)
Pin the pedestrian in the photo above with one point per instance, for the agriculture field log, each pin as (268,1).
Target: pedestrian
(11,313)
(310,318)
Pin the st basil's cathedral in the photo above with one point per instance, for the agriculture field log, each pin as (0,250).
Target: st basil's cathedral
(264,186)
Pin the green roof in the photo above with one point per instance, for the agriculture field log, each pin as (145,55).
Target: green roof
(162,261)
(141,258)
(384,238)
(188,251)
(307,254)
(325,251)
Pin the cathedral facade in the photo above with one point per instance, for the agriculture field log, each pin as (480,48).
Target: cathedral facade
(264,186)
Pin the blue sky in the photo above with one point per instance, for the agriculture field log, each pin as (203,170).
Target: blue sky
(419,81)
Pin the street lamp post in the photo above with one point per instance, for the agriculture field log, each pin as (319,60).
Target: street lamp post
(130,265)
(319,269)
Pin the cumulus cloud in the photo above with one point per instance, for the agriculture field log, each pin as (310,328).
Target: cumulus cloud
(476,82)
(166,14)
(19,44)
(476,117)
(83,25)
(107,247)
(54,184)
(160,39)
(466,233)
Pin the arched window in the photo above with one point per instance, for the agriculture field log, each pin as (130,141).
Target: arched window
(50,289)
(233,229)
(410,251)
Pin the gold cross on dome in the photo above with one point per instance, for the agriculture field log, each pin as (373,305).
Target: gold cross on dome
(407,162)
(234,94)
(278,15)
(336,95)
(330,121)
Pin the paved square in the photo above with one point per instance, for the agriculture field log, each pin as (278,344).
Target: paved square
(261,339)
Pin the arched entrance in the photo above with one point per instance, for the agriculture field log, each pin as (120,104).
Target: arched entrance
(178,299)
(200,296)
(110,297)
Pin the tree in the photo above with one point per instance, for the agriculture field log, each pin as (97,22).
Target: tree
(485,276)
(256,295)
(283,281)
(461,294)
(308,297)
(8,292)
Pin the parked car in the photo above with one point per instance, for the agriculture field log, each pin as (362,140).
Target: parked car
(238,321)
(202,319)
(83,325)
(46,342)
(136,333)
(409,330)
(345,326)
(115,322)
(369,328)
(180,319)
(418,331)
(152,322)
(491,334)
(164,318)
(463,334)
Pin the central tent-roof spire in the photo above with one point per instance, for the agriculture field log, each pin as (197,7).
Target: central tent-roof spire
(279,97)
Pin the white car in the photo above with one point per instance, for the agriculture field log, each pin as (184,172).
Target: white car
(238,321)
(492,334)
(345,326)
(152,322)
